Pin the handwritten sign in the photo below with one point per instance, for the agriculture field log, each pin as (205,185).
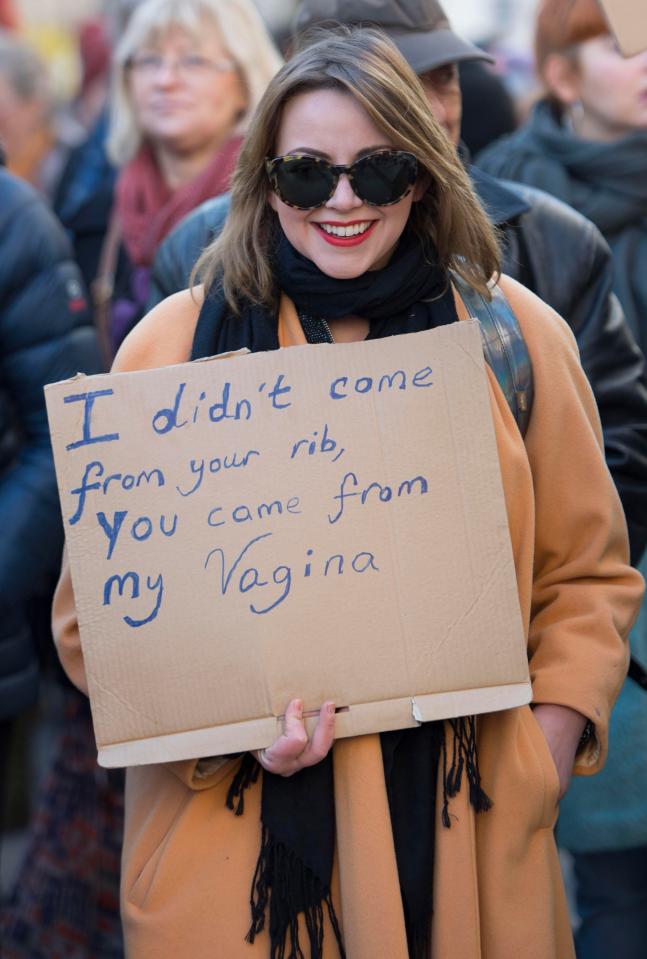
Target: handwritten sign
(320,521)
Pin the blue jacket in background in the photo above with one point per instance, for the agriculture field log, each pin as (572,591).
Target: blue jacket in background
(45,336)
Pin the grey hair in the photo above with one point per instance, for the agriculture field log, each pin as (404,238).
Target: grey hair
(243,33)
(24,69)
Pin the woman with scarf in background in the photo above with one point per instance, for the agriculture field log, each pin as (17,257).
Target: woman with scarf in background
(187,76)
(349,209)
(586,143)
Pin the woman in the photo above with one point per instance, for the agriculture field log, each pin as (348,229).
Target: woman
(353,868)
(587,143)
(586,140)
(187,77)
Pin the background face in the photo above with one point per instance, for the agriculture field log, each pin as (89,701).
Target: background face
(443,91)
(20,118)
(194,97)
(611,89)
(332,125)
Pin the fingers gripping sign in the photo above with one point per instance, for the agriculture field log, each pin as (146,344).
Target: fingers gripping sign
(293,750)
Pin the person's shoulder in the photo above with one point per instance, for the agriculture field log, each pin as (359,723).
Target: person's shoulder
(36,234)
(549,211)
(201,225)
(164,336)
(542,327)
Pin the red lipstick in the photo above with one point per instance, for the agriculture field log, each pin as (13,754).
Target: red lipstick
(345,240)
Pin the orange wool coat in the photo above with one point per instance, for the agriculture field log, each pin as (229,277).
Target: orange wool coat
(188,861)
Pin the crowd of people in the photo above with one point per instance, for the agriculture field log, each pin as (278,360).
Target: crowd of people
(197,180)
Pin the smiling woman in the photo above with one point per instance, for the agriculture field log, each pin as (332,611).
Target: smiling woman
(187,77)
(350,217)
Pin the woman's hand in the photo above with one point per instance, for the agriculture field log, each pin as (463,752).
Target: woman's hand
(563,728)
(293,750)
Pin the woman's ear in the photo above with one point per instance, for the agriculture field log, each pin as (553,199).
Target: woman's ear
(560,74)
(272,200)
(422,185)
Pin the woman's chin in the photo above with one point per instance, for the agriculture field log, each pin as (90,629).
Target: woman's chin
(343,267)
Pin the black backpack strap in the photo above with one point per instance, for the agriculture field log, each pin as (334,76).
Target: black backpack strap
(504,348)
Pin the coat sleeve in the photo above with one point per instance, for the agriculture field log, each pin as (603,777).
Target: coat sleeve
(563,257)
(585,596)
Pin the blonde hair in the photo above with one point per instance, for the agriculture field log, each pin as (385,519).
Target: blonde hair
(366,65)
(243,34)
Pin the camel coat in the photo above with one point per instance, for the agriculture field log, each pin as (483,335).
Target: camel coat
(188,861)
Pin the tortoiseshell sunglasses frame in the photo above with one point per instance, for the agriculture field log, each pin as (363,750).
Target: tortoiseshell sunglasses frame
(337,170)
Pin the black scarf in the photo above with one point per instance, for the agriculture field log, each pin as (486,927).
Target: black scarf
(607,182)
(412,293)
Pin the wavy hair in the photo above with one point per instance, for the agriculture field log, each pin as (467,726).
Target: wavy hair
(243,33)
(366,65)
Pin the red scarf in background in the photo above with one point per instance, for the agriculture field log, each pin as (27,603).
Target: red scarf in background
(148,209)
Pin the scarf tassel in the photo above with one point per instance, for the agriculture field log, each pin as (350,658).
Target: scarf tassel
(284,881)
(247,774)
(464,759)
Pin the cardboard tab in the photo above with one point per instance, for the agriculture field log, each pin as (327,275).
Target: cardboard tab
(628,22)
(325,522)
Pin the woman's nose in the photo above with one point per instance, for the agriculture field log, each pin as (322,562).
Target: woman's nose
(167,72)
(344,197)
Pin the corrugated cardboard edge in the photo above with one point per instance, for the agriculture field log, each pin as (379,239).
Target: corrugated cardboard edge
(244,351)
(359,720)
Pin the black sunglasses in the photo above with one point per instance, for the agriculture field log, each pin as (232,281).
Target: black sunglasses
(306,182)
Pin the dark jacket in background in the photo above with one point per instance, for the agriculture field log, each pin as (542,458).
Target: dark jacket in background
(488,107)
(44,337)
(561,257)
(83,201)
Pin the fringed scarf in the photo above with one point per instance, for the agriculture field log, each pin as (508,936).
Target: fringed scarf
(148,208)
(294,868)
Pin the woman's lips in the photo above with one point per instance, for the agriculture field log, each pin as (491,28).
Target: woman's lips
(336,240)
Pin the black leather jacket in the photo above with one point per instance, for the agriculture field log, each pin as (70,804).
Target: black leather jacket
(560,256)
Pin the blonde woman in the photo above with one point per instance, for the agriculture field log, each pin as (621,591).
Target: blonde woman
(188,74)
(349,208)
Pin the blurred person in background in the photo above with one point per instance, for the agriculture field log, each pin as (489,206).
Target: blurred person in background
(9,19)
(45,335)
(94,57)
(84,197)
(552,250)
(187,76)
(586,142)
(37,135)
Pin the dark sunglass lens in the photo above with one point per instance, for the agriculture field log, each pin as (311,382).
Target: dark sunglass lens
(385,177)
(303,182)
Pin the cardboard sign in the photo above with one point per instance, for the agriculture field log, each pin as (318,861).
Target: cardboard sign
(319,521)
(628,22)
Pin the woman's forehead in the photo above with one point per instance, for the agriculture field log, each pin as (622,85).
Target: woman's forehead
(192,32)
(327,121)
